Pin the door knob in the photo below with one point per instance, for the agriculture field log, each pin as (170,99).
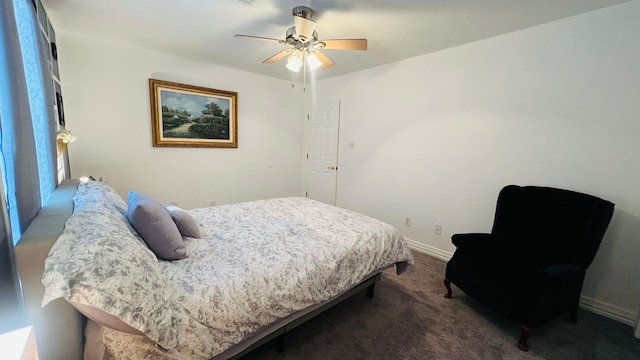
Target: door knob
(332,168)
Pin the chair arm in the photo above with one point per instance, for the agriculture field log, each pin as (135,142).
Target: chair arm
(557,276)
(552,291)
(473,241)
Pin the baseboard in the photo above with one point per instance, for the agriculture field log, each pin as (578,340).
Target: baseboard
(429,250)
(594,306)
(608,311)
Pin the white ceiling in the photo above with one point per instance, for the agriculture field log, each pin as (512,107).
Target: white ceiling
(204,29)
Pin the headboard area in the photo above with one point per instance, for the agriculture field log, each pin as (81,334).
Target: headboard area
(58,326)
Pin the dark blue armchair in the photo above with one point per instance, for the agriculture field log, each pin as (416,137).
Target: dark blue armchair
(531,266)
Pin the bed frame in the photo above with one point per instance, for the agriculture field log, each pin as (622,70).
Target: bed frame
(280,328)
(59,327)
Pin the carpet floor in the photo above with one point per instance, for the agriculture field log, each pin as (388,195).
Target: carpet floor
(409,318)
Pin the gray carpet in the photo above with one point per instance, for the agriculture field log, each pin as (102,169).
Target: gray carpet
(410,319)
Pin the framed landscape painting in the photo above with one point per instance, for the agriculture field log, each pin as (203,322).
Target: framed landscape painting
(192,116)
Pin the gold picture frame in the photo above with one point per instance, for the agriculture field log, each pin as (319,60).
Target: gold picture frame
(192,116)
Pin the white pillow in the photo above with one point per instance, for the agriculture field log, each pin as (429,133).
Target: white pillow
(100,263)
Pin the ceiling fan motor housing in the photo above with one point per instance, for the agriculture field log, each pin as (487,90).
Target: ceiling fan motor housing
(304,24)
(293,39)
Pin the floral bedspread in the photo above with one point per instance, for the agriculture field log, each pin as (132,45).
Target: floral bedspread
(258,262)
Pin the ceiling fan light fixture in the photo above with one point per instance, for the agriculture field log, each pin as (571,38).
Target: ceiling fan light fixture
(294,62)
(313,61)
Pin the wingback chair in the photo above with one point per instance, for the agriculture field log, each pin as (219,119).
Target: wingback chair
(531,266)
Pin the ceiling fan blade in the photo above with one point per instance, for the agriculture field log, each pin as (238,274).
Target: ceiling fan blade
(304,28)
(258,38)
(278,56)
(324,59)
(345,44)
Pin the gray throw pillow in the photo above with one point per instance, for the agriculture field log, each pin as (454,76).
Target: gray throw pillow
(186,224)
(155,226)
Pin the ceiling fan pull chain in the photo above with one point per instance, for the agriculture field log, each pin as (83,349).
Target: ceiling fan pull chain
(293,79)
(304,74)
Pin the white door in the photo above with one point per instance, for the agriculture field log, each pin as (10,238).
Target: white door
(322,151)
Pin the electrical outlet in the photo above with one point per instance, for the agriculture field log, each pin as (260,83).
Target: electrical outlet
(437,229)
(352,145)
(407,221)
(212,203)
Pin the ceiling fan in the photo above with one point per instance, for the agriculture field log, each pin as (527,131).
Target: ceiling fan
(304,46)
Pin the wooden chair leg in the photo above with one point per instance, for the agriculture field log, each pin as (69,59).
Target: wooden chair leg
(525,334)
(447,284)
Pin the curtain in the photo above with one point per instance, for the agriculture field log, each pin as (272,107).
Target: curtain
(35,60)
(11,305)
(27,141)
(24,101)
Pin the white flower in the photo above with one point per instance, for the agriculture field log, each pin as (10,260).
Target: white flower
(66,136)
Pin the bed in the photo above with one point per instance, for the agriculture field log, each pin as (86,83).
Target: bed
(257,270)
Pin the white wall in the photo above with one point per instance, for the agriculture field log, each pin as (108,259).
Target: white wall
(437,136)
(105,89)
